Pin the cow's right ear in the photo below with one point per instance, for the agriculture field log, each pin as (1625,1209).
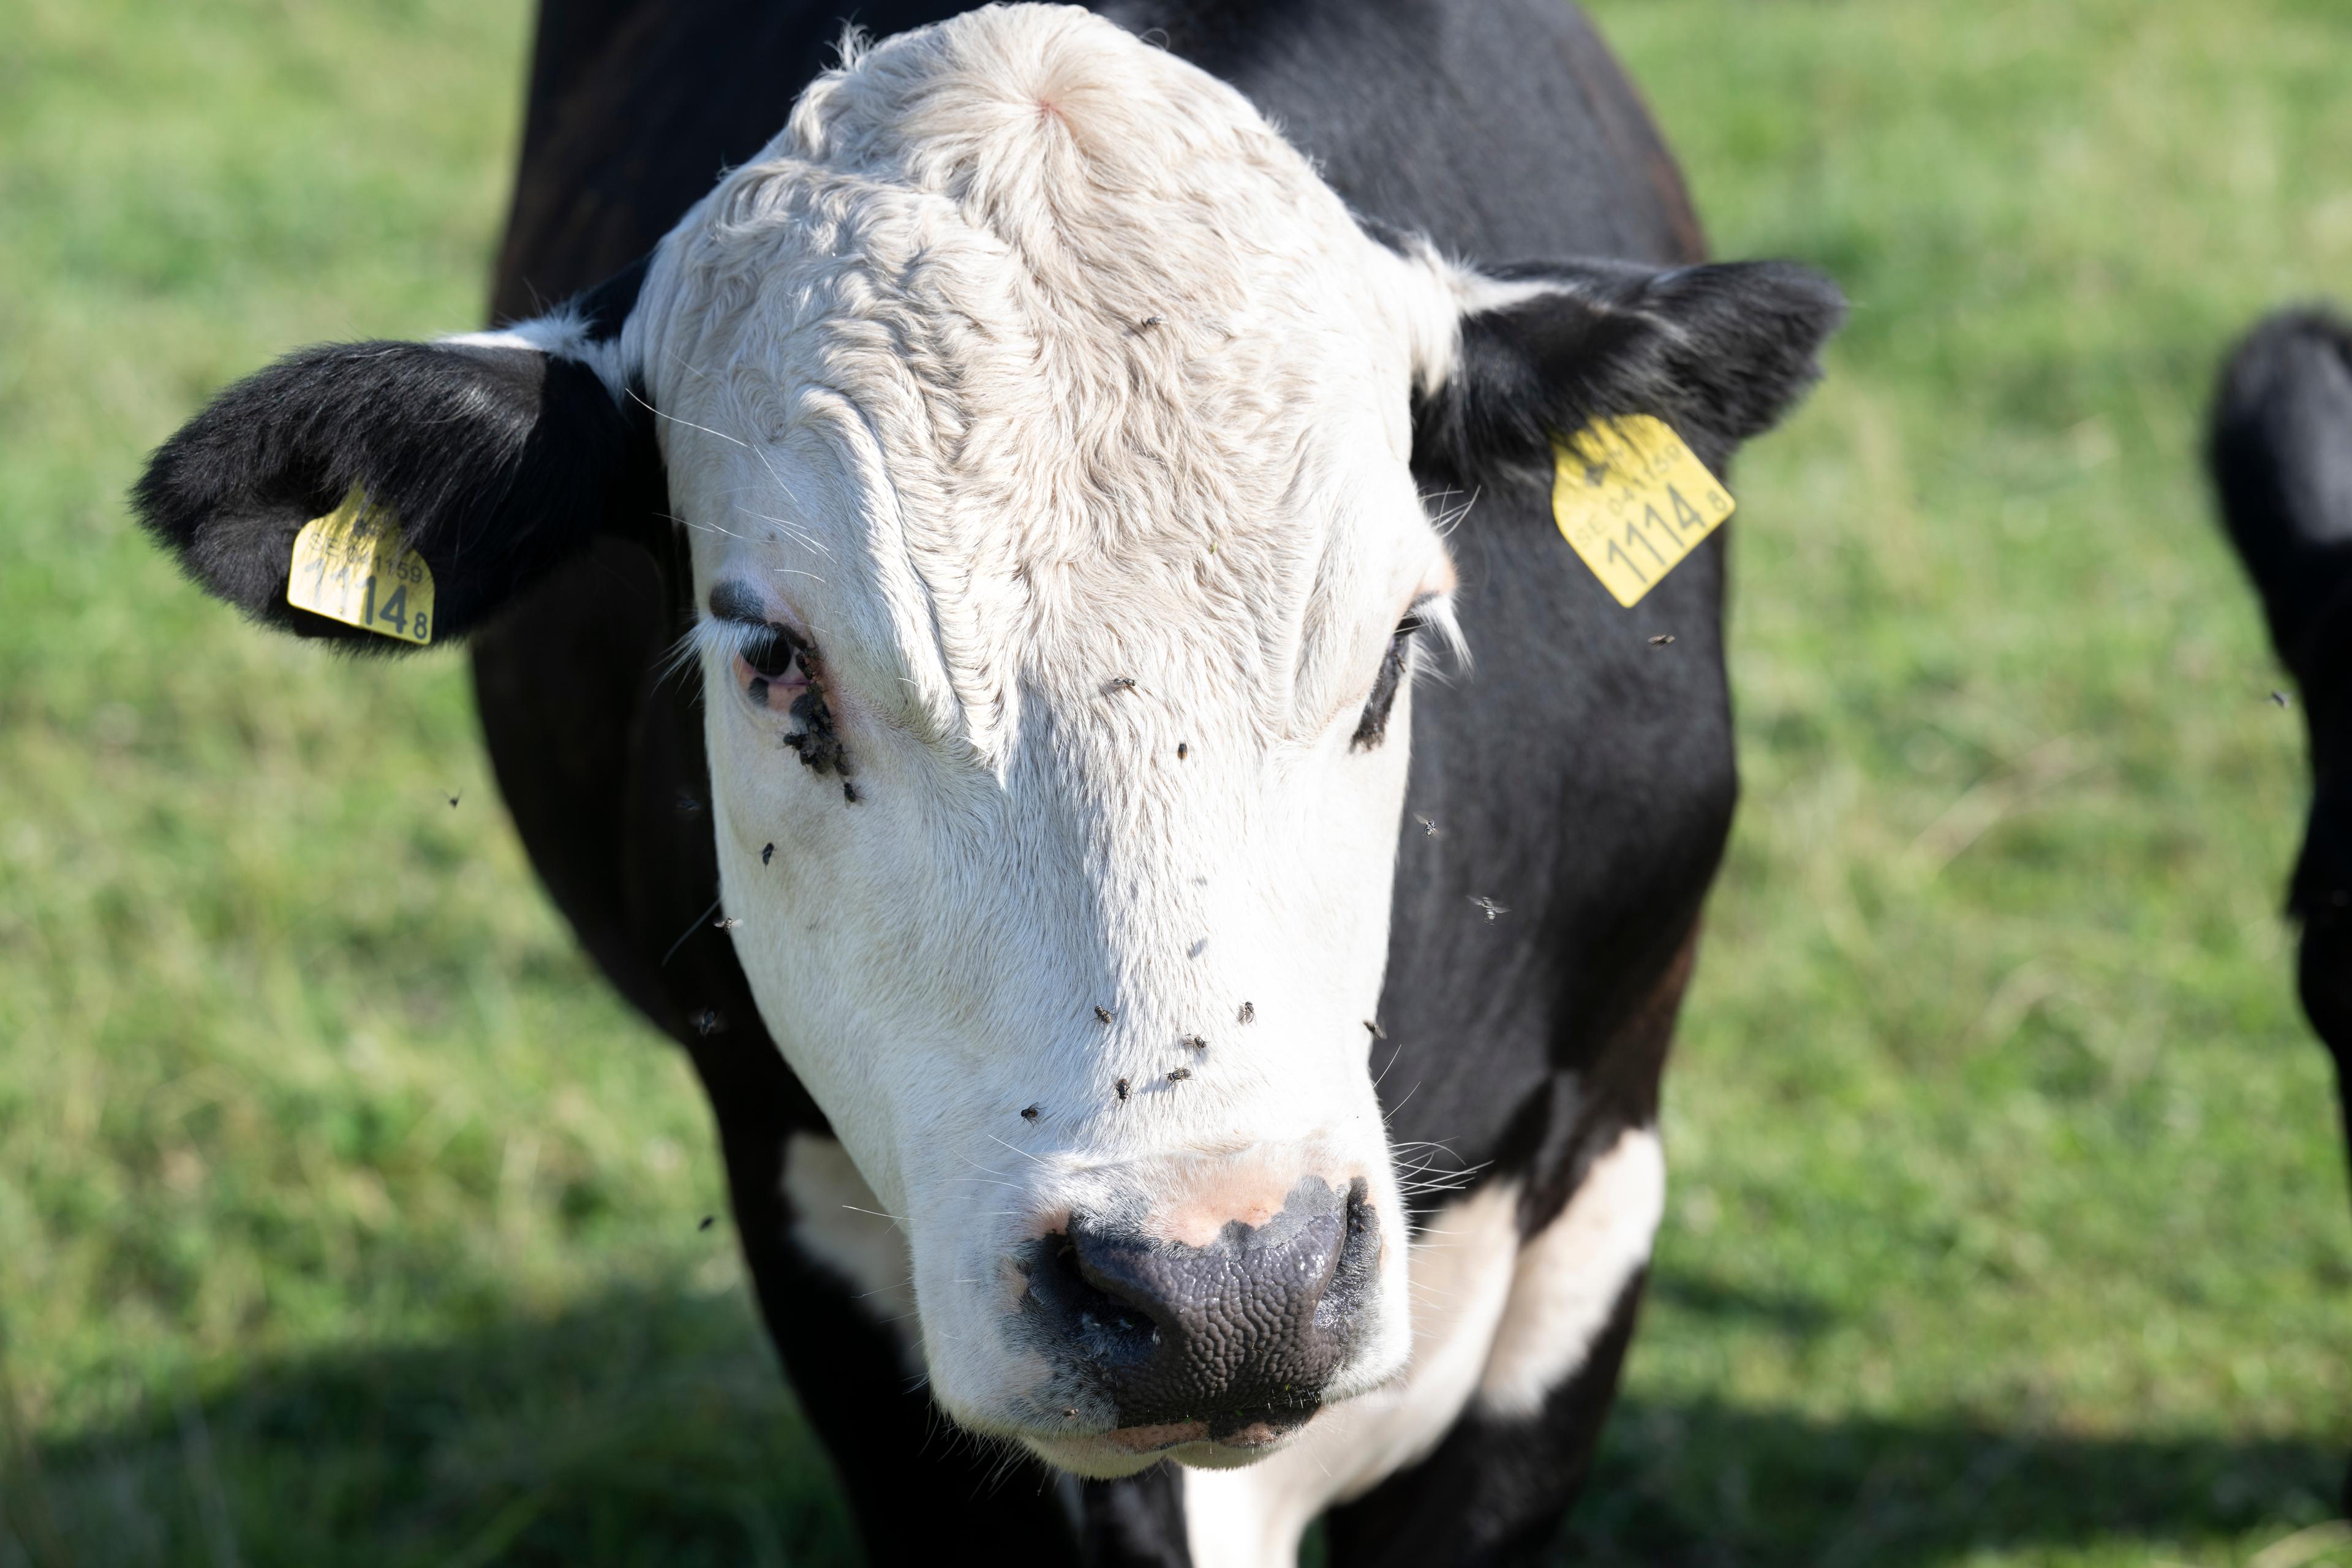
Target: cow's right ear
(501,455)
(1718,352)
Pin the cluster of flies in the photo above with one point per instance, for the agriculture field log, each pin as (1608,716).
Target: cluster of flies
(1120,685)
(1125,685)
(1125,1088)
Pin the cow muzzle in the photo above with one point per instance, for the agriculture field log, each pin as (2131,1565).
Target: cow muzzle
(1229,1342)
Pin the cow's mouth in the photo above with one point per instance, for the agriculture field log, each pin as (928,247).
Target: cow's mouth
(1246,1432)
(1158,1438)
(1197,1444)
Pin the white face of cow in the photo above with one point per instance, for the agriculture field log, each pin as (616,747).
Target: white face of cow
(1041,423)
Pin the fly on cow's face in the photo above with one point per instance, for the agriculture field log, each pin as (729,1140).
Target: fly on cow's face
(1029,1113)
(816,741)
(767,854)
(1248,1015)
(1102,1014)
(1121,1086)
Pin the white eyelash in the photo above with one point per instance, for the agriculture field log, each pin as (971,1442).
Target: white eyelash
(709,634)
(1440,625)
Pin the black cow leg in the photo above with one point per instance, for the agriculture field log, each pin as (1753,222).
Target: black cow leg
(1495,1491)
(2326,984)
(921,1493)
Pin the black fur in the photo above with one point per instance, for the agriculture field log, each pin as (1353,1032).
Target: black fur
(1137,1522)
(1505,1482)
(1718,352)
(500,464)
(603,309)
(2281,454)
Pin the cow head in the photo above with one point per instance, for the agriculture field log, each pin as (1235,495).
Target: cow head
(1045,432)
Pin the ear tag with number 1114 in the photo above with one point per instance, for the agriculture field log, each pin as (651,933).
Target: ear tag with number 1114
(1632,500)
(352,565)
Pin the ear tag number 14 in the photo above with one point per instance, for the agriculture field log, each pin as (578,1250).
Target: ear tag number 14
(1632,500)
(352,565)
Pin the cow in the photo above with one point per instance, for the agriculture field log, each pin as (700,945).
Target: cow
(1025,627)
(2280,452)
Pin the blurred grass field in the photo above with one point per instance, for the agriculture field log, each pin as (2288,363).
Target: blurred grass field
(345,1218)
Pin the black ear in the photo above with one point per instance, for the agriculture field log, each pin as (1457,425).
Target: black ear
(501,456)
(2281,452)
(1720,353)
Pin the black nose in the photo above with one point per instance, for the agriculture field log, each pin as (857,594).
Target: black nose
(1245,1332)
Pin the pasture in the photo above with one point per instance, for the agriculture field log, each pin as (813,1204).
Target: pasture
(344,1217)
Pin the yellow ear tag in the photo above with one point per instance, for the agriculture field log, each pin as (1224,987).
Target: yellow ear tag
(351,566)
(1632,500)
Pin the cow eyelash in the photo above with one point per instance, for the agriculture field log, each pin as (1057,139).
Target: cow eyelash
(767,647)
(1373,727)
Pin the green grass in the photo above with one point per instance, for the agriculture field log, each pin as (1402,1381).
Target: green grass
(344,1219)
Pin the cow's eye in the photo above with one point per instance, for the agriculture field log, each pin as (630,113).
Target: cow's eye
(772,666)
(1373,727)
(778,669)
(773,651)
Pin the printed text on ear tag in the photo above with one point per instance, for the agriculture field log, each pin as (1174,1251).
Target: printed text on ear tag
(351,566)
(1633,501)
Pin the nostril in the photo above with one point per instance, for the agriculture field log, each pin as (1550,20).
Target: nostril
(1355,1273)
(1107,1286)
(1111,1328)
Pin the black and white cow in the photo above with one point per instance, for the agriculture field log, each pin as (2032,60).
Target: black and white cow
(2280,453)
(1039,455)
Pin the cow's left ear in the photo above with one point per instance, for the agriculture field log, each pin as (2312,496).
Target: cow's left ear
(500,455)
(1718,352)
